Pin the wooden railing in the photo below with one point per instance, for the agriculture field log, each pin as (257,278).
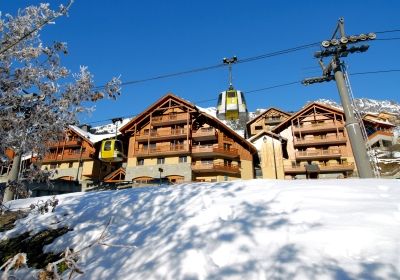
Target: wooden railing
(322,167)
(204,132)
(154,134)
(380,132)
(315,140)
(68,156)
(318,127)
(160,150)
(318,153)
(71,142)
(170,117)
(214,149)
(215,166)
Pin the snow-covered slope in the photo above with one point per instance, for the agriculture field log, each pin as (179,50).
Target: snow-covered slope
(257,229)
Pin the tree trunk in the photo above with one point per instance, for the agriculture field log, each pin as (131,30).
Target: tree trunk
(12,176)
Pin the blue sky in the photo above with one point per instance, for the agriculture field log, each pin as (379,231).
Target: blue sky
(142,39)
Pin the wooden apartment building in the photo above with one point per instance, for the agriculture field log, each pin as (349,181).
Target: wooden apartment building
(75,157)
(173,139)
(315,145)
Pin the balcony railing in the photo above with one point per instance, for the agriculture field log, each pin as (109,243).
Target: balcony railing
(71,142)
(211,149)
(320,141)
(205,133)
(169,118)
(68,156)
(329,167)
(380,132)
(161,150)
(215,167)
(269,121)
(319,154)
(318,127)
(162,134)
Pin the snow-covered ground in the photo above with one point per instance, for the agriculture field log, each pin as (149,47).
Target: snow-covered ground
(257,229)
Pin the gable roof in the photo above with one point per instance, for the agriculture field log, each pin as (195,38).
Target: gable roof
(216,122)
(265,112)
(322,106)
(159,102)
(89,137)
(266,133)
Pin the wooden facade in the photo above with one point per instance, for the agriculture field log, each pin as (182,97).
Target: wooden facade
(174,136)
(75,158)
(266,121)
(317,144)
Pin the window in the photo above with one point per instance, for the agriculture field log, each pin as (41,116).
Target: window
(70,165)
(182,159)
(160,160)
(107,146)
(53,166)
(227,147)
(231,94)
(140,161)
(258,127)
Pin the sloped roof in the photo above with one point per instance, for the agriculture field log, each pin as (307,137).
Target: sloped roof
(265,112)
(285,123)
(91,138)
(264,133)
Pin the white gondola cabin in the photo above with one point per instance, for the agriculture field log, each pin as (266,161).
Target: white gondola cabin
(231,105)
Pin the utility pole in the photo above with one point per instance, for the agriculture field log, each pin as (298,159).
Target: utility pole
(337,47)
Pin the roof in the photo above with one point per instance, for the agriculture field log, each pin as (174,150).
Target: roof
(152,106)
(266,133)
(91,138)
(265,112)
(197,110)
(283,124)
(387,123)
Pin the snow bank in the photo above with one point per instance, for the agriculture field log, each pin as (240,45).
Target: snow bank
(258,229)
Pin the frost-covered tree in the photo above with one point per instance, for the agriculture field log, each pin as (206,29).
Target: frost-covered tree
(39,97)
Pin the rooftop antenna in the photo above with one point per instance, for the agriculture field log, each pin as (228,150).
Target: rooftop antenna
(337,47)
(229,62)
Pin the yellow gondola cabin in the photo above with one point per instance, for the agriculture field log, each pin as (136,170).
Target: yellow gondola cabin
(111,151)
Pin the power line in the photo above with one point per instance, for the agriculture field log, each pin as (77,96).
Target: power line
(201,69)
(387,31)
(268,88)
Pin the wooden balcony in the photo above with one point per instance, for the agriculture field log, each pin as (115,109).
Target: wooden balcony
(169,119)
(162,151)
(319,141)
(215,168)
(155,136)
(273,121)
(68,157)
(300,169)
(66,143)
(205,134)
(380,133)
(318,154)
(337,167)
(212,151)
(318,127)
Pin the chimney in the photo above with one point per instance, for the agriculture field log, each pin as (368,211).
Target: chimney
(85,127)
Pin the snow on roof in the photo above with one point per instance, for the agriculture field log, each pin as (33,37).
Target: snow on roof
(256,229)
(93,138)
(101,132)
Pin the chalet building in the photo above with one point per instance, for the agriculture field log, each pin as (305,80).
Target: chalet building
(75,157)
(379,131)
(266,121)
(314,144)
(174,139)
